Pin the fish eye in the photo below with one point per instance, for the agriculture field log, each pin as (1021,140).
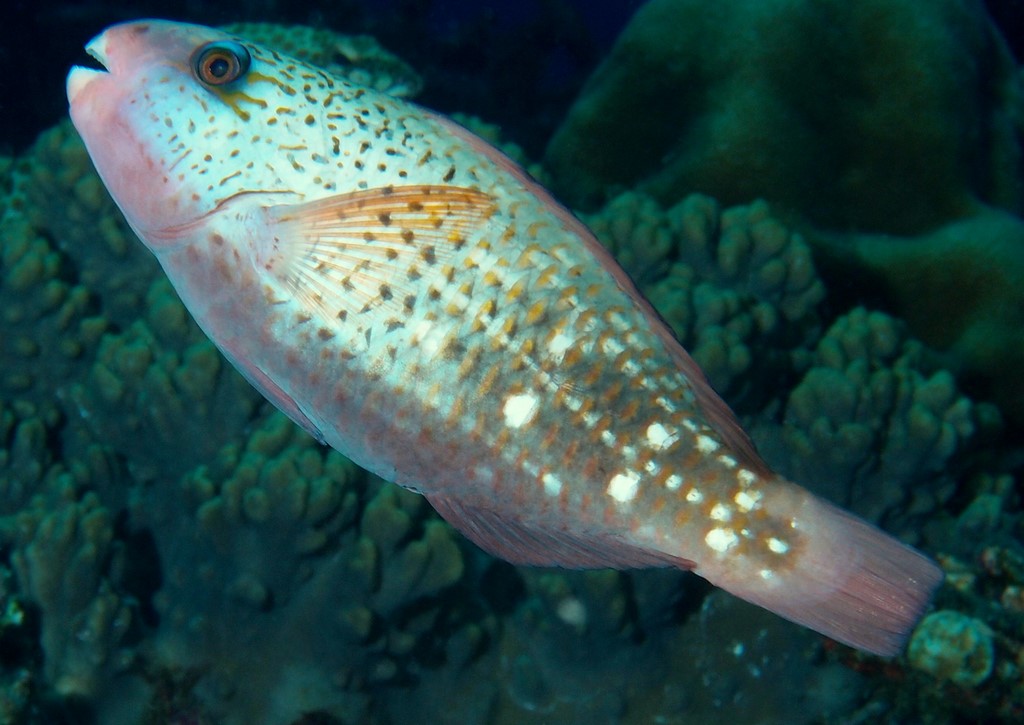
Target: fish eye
(220,62)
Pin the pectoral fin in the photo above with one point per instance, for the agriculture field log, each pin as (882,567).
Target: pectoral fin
(374,248)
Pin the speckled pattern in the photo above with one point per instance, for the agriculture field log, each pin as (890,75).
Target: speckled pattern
(408,296)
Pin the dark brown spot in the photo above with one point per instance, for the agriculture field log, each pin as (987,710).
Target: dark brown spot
(408,236)
(385,292)
(449,175)
(384,218)
(409,302)
(310,121)
(324,334)
(454,349)
(428,255)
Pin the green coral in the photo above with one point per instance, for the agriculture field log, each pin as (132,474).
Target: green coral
(869,423)
(278,548)
(61,559)
(952,646)
(159,393)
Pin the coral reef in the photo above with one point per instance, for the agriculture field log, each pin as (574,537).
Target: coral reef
(960,288)
(874,426)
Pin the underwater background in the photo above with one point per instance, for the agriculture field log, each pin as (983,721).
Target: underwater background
(824,200)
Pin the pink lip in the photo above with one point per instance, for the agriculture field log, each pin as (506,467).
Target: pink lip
(79,77)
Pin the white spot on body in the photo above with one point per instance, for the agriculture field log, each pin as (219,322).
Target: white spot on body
(727,461)
(573,404)
(519,409)
(623,486)
(552,486)
(706,444)
(766,574)
(694,496)
(660,436)
(720,512)
(666,405)
(721,540)
(673,482)
(778,545)
(559,344)
(745,477)
(747,500)
(612,346)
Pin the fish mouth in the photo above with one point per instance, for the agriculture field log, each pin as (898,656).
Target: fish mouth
(80,76)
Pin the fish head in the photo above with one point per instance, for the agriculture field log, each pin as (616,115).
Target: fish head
(181,123)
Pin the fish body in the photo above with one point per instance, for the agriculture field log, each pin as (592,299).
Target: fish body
(411,298)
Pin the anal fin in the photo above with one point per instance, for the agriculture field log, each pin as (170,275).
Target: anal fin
(521,543)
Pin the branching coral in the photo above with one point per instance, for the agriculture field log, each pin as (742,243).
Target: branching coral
(870,427)
(159,392)
(62,557)
(281,534)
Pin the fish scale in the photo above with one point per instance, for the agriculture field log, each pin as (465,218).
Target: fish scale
(410,297)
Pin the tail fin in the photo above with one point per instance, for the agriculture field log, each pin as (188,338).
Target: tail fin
(851,582)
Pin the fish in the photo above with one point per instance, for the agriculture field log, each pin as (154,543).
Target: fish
(410,297)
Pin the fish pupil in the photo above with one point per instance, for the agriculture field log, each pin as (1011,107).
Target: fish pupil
(219,67)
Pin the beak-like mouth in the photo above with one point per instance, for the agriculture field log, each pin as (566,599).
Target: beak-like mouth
(80,76)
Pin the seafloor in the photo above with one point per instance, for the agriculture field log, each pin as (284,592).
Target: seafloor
(824,200)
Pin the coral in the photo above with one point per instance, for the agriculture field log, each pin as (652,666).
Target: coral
(961,290)
(869,426)
(16,678)
(280,550)
(360,58)
(879,115)
(951,646)
(64,551)
(159,393)
(737,287)
(47,323)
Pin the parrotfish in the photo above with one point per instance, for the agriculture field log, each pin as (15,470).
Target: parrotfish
(410,297)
